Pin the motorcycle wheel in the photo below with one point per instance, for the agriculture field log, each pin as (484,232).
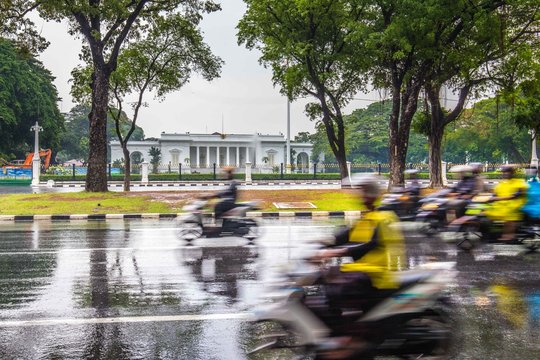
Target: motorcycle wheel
(430,226)
(471,236)
(271,340)
(253,232)
(191,231)
(436,329)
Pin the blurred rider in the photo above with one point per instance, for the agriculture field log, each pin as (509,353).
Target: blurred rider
(228,196)
(413,188)
(532,207)
(462,192)
(479,181)
(374,242)
(510,196)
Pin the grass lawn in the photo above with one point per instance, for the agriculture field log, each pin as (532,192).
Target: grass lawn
(79,203)
(163,202)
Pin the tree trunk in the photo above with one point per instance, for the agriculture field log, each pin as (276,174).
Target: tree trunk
(127,162)
(96,178)
(435,161)
(404,107)
(438,122)
(435,135)
(342,162)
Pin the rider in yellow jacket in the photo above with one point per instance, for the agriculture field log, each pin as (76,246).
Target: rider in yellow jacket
(510,196)
(375,243)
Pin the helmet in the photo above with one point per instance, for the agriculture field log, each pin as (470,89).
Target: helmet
(477,167)
(461,168)
(369,183)
(508,168)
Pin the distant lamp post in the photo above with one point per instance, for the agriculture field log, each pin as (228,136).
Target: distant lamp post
(288,150)
(534,156)
(36,162)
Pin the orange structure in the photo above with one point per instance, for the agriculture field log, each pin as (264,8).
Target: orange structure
(27,164)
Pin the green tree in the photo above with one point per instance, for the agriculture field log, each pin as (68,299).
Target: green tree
(486,132)
(74,141)
(14,26)
(155,158)
(471,47)
(106,27)
(303,137)
(313,48)
(27,95)
(161,61)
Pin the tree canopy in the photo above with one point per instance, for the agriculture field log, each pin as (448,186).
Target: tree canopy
(106,27)
(366,137)
(74,141)
(313,48)
(486,132)
(27,95)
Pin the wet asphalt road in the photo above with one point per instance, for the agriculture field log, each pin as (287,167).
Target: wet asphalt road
(133,290)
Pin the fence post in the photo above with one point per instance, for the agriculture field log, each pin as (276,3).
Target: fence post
(349,168)
(314,170)
(169,167)
(444,179)
(248,172)
(281,173)
(73,171)
(179,171)
(110,172)
(144,172)
(214,171)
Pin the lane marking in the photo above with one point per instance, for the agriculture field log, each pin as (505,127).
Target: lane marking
(125,319)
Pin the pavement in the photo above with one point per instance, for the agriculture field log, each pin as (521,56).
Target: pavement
(69,186)
(133,290)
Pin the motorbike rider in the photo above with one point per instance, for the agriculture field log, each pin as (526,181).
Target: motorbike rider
(374,242)
(479,181)
(532,207)
(463,191)
(228,196)
(376,245)
(413,188)
(510,196)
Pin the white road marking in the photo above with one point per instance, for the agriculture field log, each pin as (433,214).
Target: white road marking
(125,319)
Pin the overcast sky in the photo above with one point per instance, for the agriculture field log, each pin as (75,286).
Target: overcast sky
(244,95)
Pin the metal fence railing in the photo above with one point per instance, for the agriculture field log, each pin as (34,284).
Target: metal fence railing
(280,171)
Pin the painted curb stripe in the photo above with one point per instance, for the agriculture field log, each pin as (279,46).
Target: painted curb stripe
(60,217)
(167,216)
(102,217)
(270,214)
(23,218)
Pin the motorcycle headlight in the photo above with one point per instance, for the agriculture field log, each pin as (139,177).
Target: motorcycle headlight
(430,206)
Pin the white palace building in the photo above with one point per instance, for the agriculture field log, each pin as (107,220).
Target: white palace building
(201,151)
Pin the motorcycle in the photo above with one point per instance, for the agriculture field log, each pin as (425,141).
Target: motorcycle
(401,203)
(411,321)
(475,227)
(433,212)
(234,222)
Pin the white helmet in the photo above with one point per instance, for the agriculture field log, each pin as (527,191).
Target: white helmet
(368,182)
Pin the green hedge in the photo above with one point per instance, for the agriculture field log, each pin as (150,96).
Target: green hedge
(258,177)
(197,177)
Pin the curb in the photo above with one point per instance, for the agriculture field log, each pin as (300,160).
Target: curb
(105,217)
(189,184)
